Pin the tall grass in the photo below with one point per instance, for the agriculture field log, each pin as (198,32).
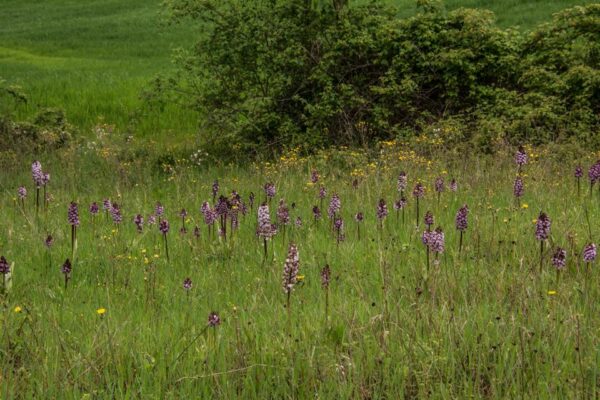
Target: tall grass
(483,323)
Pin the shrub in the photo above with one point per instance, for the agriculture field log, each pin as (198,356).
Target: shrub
(271,74)
(48,130)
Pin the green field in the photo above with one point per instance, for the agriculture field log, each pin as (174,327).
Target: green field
(91,58)
(487,322)
(94,58)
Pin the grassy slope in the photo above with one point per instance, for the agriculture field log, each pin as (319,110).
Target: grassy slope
(92,58)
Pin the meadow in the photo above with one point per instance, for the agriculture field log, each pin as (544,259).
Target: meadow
(94,59)
(137,261)
(494,318)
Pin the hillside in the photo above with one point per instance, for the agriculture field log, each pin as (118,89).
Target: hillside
(92,58)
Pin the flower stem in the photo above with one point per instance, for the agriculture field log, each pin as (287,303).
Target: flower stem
(166,246)
(73,241)
(417,211)
(541,255)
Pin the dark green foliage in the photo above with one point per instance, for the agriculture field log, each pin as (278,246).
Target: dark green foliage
(561,72)
(48,130)
(271,74)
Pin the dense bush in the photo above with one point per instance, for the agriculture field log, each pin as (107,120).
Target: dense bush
(269,74)
(49,128)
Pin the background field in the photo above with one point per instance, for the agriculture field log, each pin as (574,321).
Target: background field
(93,58)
